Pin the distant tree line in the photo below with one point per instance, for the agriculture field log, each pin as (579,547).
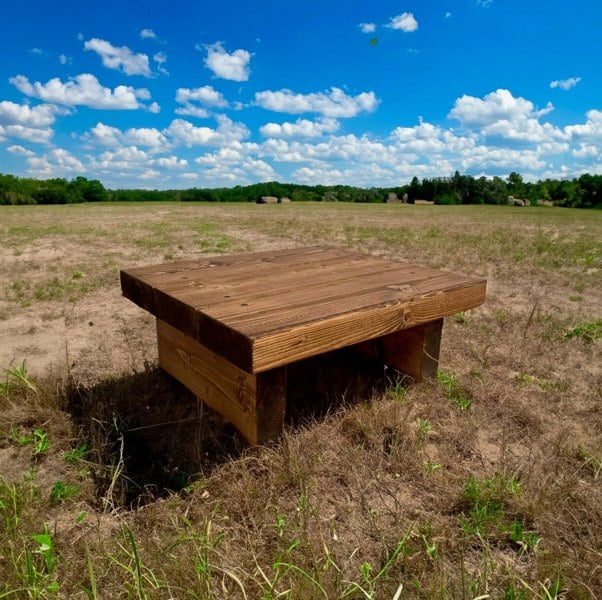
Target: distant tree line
(584,192)
(18,190)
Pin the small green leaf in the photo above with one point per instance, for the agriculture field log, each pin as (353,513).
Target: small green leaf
(45,542)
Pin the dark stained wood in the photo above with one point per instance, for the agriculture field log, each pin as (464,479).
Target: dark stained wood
(414,351)
(270,404)
(267,309)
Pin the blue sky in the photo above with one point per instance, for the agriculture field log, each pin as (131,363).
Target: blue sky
(172,94)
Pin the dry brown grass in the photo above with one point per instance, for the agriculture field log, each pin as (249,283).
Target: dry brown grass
(485,484)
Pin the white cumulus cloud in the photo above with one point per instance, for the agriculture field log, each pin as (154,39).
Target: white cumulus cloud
(222,156)
(421,138)
(502,115)
(334,103)
(498,105)
(300,128)
(149,174)
(590,131)
(145,136)
(20,151)
(23,114)
(234,66)
(131,158)
(226,132)
(65,159)
(235,163)
(584,151)
(524,129)
(367,27)
(112,136)
(148,34)
(350,148)
(405,22)
(190,110)
(120,58)
(124,158)
(28,134)
(311,176)
(206,95)
(565,84)
(161,58)
(82,90)
(57,162)
(170,162)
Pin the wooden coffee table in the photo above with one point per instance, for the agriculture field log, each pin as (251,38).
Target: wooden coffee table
(228,326)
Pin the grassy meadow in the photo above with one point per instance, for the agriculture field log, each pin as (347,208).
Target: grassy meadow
(485,483)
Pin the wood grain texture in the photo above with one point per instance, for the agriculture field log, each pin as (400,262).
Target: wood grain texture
(267,309)
(254,404)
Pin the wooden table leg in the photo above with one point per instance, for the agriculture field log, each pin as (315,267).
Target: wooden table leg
(253,403)
(414,351)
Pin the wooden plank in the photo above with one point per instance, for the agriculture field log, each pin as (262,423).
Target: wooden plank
(229,343)
(254,404)
(139,284)
(414,351)
(270,398)
(324,301)
(214,287)
(284,346)
(231,267)
(247,300)
(138,291)
(228,260)
(250,275)
(317,284)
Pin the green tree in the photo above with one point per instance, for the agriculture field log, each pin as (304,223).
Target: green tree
(88,190)
(516,186)
(56,191)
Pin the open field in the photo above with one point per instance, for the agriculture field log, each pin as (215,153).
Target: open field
(115,482)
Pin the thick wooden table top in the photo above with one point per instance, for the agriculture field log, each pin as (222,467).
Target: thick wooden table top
(266,309)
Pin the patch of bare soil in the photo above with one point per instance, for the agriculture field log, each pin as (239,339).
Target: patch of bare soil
(61,303)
